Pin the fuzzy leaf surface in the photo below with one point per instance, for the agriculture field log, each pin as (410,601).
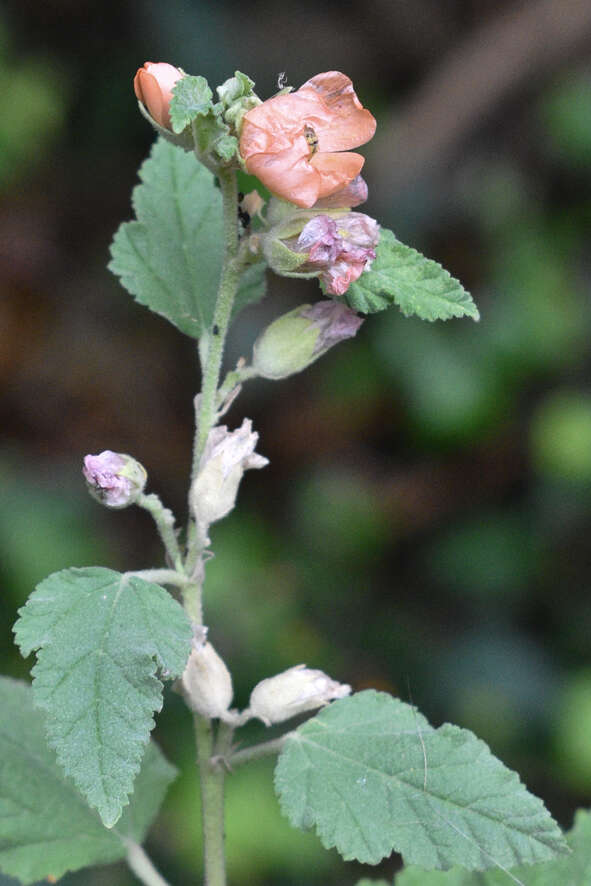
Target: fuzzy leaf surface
(101,638)
(400,275)
(191,98)
(170,257)
(570,870)
(46,826)
(372,776)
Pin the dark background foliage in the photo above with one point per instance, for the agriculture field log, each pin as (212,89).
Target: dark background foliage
(424,524)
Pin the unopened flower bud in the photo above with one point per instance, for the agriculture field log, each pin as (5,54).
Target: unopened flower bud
(294,341)
(227,455)
(153,85)
(206,682)
(114,478)
(293,692)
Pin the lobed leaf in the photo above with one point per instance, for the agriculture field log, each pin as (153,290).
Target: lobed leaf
(191,98)
(571,870)
(400,275)
(170,257)
(46,826)
(101,637)
(372,776)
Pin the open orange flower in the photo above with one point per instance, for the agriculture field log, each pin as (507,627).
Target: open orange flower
(299,144)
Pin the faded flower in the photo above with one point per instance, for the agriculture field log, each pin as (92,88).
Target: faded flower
(342,248)
(227,455)
(295,340)
(293,692)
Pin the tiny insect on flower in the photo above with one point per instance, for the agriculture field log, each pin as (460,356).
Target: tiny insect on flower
(299,144)
(153,85)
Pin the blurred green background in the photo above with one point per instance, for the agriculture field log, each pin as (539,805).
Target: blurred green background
(424,524)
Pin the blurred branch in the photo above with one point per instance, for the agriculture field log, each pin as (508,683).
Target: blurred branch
(513,49)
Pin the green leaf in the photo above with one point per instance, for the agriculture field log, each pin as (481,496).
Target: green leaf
(170,258)
(373,776)
(46,827)
(191,98)
(401,275)
(571,870)
(101,637)
(366,882)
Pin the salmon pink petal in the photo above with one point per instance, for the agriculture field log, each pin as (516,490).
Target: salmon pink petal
(348,124)
(288,174)
(336,170)
(351,195)
(282,119)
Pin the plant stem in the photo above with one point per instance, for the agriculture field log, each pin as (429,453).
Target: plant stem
(221,318)
(164,520)
(142,867)
(160,576)
(211,350)
(212,804)
(257,751)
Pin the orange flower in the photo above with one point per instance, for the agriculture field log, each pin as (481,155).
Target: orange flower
(299,144)
(153,84)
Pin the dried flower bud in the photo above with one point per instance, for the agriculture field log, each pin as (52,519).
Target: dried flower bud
(206,682)
(294,341)
(153,85)
(343,248)
(227,455)
(293,692)
(115,479)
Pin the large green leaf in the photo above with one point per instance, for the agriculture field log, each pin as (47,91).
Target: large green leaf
(170,258)
(571,870)
(373,776)
(101,636)
(46,826)
(400,275)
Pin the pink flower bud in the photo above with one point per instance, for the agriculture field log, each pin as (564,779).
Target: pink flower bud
(298,144)
(115,479)
(153,85)
(293,692)
(342,248)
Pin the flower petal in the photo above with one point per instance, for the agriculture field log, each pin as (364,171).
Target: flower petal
(336,170)
(348,124)
(288,174)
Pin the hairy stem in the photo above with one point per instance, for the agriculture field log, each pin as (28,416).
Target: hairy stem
(142,867)
(211,350)
(212,799)
(164,520)
(216,335)
(257,751)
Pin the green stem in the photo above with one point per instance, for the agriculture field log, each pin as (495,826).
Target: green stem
(257,751)
(160,576)
(142,867)
(216,335)
(212,798)
(211,350)
(164,520)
